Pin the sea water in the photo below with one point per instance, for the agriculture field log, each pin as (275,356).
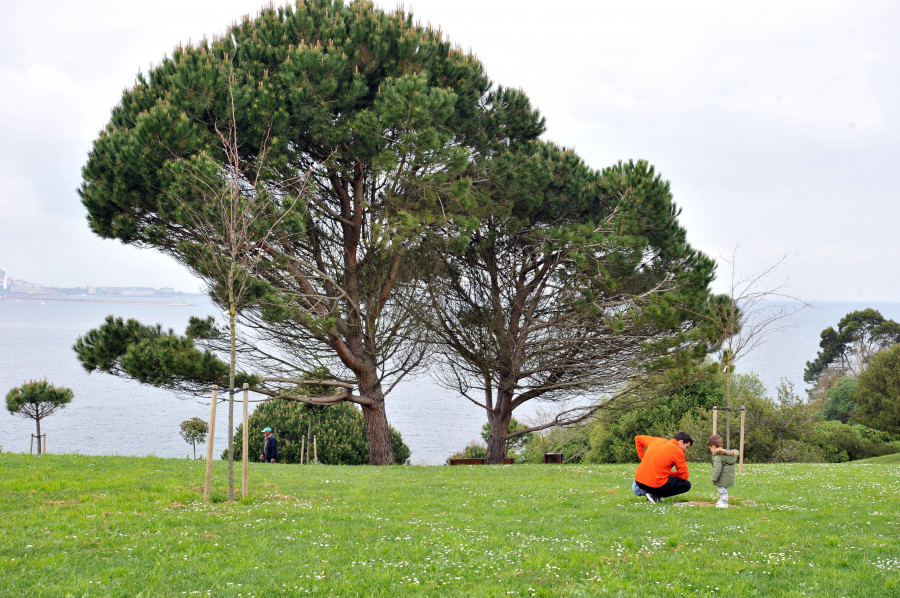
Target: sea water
(115,416)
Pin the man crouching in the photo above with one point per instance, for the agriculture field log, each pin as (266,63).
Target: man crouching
(658,456)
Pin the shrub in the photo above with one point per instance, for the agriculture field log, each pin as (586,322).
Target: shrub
(794,451)
(878,395)
(612,436)
(840,404)
(473,450)
(478,450)
(775,431)
(339,431)
(839,442)
(573,443)
(782,430)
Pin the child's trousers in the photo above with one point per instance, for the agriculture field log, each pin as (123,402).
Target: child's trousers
(723,497)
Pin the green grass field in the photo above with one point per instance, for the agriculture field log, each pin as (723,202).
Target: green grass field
(115,526)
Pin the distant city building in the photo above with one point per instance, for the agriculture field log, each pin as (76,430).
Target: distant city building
(23,286)
(126,291)
(11,287)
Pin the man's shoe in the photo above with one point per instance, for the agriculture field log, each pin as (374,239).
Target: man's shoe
(652,499)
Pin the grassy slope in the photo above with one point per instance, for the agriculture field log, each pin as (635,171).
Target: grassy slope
(116,526)
(893,459)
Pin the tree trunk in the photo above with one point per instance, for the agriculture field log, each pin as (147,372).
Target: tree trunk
(729,368)
(728,406)
(232,310)
(499,423)
(377,430)
(37,420)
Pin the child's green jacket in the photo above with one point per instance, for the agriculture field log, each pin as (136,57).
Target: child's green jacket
(723,467)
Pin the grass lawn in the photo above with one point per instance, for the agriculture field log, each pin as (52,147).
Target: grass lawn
(885,460)
(117,526)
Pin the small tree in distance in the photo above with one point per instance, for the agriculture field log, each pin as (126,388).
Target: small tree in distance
(194,432)
(36,400)
(860,335)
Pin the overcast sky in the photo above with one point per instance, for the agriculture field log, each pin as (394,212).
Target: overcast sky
(776,122)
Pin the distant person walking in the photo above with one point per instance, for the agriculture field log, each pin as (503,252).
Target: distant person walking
(658,456)
(270,449)
(723,462)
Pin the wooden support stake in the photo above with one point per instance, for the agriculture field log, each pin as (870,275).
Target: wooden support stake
(315,451)
(209,449)
(308,438)
(245,445)
(302,446)
(741,464)
(715,418)
(31,446)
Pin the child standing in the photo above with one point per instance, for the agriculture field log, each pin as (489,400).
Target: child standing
(722,468)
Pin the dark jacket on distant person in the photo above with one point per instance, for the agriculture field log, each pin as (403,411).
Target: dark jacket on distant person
(270,451)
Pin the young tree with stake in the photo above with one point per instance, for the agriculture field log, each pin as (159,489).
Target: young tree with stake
(745,316)
(36,400)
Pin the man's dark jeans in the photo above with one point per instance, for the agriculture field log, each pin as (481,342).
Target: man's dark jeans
(671,488)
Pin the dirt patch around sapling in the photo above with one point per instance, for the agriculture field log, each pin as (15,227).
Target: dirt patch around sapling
(699,503)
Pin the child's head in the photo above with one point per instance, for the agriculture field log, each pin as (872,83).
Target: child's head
(714,442)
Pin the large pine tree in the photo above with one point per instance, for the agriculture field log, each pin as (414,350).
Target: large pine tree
(357,127)
(575,283)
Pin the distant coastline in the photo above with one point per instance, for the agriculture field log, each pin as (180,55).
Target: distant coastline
(168,301)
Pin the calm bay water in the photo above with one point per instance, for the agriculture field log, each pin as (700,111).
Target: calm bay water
(113,416)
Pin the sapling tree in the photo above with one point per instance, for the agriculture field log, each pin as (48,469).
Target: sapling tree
(752,309)
(36,400)
(194,432)
(234,218)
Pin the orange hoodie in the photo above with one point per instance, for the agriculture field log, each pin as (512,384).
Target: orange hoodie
(658,456)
